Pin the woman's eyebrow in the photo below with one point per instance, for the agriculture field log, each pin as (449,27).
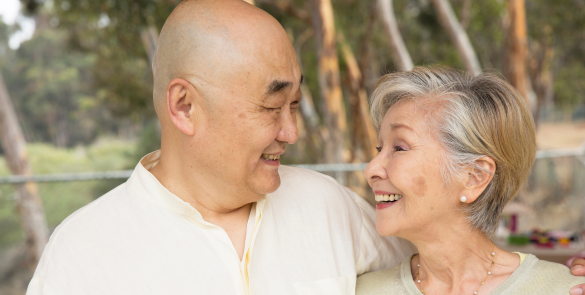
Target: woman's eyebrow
(401,125)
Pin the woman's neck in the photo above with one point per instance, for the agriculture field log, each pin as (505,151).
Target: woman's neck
(457,260)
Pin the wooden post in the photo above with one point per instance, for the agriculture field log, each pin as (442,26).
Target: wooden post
(329,81)
(29,205)
(401,55)
(516,48)
(457,35)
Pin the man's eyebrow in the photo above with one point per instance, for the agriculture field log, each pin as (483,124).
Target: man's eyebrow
(277,85)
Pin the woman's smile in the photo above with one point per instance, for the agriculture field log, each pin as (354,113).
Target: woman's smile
(385,200)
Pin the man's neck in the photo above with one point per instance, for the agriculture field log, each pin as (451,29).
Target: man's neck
(233,219)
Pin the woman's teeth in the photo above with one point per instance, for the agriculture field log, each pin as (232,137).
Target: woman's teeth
(388,198)
(270,157)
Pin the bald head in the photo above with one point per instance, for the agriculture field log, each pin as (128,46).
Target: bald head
(227,87)
(217,44)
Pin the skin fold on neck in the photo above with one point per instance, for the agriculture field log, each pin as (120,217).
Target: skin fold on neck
(218,117)
(455,260)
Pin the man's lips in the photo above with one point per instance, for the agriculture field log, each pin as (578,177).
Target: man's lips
(271,156)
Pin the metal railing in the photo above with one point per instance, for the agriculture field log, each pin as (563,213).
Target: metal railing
(343,167)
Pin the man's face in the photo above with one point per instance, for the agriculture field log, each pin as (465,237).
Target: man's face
(248,120)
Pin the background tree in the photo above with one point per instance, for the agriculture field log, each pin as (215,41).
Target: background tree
(329,80)
(29,205)
(403,59)
(517,47)
(458,36)
(54,91)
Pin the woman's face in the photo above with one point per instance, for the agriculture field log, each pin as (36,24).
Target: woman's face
(407,168)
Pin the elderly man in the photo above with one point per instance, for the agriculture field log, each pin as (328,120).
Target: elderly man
(213,212)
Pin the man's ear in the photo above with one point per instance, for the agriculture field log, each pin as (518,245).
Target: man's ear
(479,177)
(181,105)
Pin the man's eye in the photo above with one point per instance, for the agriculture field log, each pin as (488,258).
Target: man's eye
(379,149)
(399,149)
(294,104)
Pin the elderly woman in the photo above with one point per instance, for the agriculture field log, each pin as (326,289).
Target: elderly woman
(454,150)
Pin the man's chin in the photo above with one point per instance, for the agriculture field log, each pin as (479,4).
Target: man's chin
(266,184)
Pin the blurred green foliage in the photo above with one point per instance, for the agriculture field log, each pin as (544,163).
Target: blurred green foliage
(87,58)
(560,25)
(85,74)
(111,30)
(52,89)
(60,199)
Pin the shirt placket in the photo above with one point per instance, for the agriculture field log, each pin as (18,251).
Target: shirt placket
(247,258)
(226,250)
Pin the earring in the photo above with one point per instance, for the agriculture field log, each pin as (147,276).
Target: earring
(463,199)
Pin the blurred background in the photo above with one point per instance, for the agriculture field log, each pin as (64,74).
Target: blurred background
(76,112)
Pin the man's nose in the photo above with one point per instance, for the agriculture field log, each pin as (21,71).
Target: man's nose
(375,169)
(288,128)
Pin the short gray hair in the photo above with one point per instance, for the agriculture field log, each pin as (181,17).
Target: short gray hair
(476,116)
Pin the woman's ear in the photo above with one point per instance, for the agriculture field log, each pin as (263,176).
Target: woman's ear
(181,105)
(479,177)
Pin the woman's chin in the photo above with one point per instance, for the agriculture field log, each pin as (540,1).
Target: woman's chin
(384,228)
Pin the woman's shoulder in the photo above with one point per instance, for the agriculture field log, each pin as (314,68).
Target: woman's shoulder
(536,276)
(385,281)
(555,272)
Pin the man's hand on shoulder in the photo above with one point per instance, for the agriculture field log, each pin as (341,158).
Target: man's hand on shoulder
(578,269)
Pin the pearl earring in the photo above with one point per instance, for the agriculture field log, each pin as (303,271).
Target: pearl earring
(463,199)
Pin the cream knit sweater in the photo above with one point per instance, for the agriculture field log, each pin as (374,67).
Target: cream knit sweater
(533,276)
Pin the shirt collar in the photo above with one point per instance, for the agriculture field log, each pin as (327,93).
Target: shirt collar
(146,185)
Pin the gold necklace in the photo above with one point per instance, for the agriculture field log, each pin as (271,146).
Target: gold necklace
(476,291)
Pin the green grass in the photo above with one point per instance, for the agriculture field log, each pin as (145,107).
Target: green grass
(60,199)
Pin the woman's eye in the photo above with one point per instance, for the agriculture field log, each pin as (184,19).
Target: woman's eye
(379,149)
(399,149)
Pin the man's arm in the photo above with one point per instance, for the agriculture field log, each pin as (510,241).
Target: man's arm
(578,269)
(377,252)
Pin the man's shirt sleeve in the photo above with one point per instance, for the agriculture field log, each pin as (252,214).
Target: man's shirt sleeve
(377,252)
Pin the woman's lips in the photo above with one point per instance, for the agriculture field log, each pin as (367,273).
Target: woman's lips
(384,205)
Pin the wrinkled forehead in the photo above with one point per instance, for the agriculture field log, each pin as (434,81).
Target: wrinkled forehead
(235,59)
(421,114)
(263,57)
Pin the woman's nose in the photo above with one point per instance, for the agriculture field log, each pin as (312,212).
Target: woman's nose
(375,169)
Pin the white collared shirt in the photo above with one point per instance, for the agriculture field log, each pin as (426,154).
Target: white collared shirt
(311,236)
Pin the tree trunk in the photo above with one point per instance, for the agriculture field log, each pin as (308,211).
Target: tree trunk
(458,36)
(149,37)
(365,60)
(516,47)
(465,14)
(307,107)
(29,205)
(541,77)
(359,102)
(329,81)
(401,55)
